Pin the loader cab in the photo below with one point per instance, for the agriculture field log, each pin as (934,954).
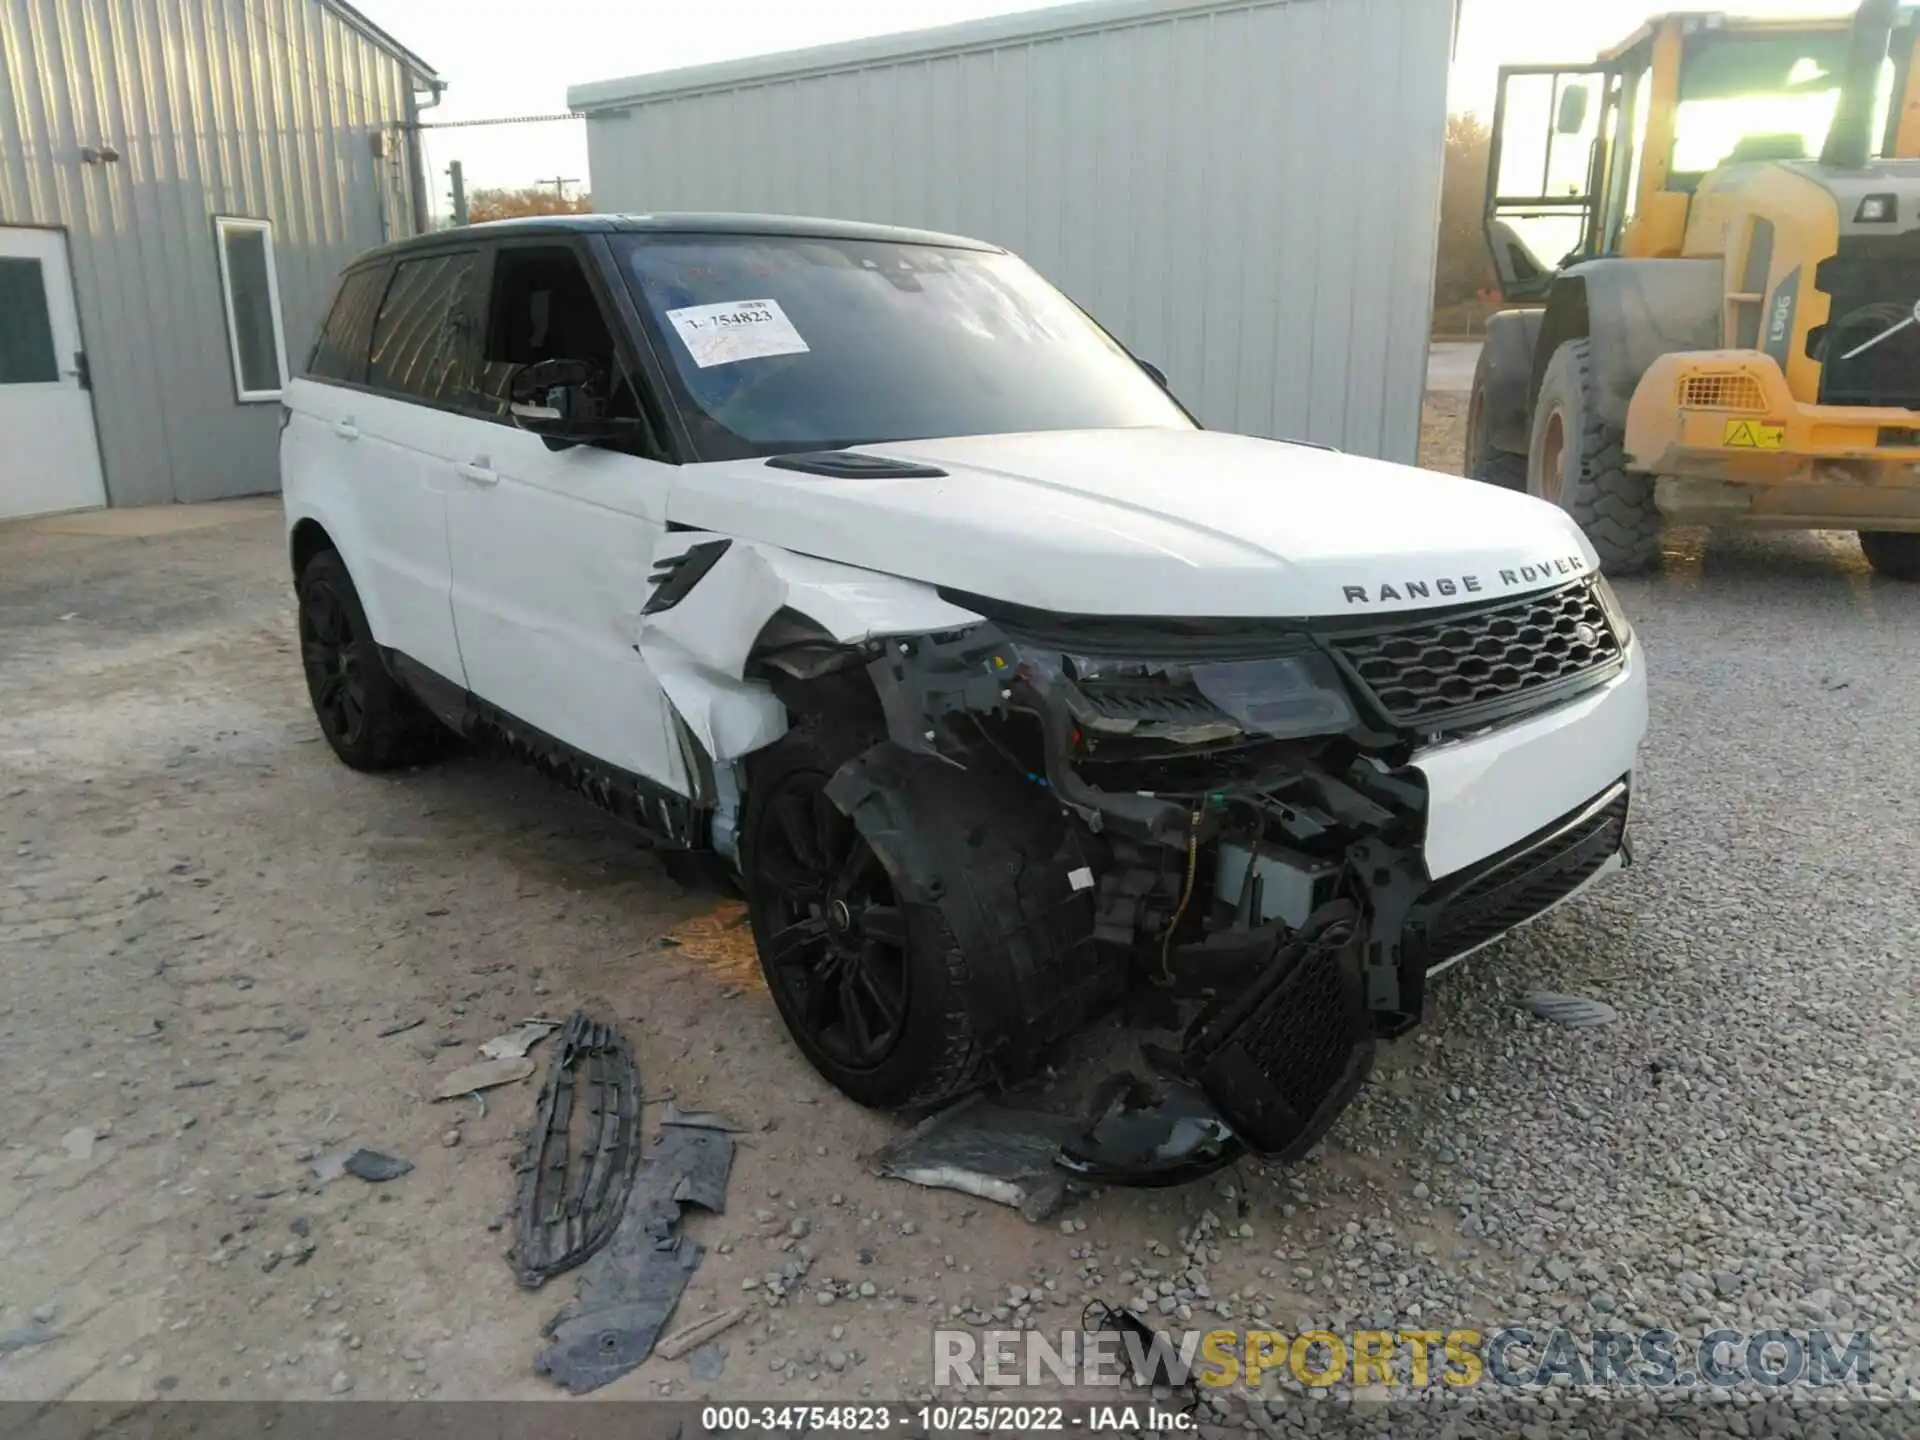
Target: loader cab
(1603,158)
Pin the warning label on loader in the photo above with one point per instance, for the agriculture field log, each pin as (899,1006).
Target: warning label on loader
(1752,435)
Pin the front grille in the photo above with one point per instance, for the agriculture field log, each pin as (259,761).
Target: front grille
(1734,391)
(1431,673)
(1463,912)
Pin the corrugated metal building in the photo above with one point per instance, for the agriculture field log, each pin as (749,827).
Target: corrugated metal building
(180,183)
(1245,192)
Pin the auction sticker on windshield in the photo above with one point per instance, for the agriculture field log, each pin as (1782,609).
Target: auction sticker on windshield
(738,330)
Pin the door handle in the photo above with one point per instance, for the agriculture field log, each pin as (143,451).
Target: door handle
(478,471)
(346,429)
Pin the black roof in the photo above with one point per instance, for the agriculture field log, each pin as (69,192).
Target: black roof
(687,223)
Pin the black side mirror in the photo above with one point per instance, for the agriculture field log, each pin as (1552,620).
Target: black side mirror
(566,400)
(1572,117)
(1523,275)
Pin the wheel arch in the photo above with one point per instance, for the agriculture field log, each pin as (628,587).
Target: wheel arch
(306,539)
(1504,379)
(1632,312)
(320,518)
(310,534)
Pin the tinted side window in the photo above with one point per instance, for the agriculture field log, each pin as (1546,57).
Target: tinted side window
(542,308)
(341,351)
(419,347)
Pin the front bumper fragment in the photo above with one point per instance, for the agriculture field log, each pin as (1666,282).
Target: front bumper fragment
(1270,1068)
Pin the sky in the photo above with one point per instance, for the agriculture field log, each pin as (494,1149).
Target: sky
(510,59)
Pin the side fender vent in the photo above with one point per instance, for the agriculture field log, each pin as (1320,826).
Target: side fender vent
(675,576)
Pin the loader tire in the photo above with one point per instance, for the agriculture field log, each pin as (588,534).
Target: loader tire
(1892,554)
(1579,462)
(1484,461)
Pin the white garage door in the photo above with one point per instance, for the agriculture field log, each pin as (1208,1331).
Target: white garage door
(49,457)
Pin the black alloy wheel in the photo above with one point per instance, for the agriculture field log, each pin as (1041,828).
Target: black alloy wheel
(335,654)
(369,720)
(836,939)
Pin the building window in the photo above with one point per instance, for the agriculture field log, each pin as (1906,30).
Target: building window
(252,296)
(26,329)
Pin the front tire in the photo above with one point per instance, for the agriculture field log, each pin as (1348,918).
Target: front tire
(873,990)
(1576,460)
(370,722)
(1891,553)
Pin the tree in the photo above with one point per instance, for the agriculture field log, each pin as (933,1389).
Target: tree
(1463,271)
(501,204)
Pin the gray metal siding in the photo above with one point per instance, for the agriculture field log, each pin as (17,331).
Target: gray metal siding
(1245,193)
(257,108)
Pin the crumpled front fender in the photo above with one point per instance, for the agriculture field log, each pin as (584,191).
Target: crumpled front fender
(698,645)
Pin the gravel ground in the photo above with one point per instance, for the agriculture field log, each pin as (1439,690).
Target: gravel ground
(1443,433)
(206,922)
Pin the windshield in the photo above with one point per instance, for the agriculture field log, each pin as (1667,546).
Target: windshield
(786,343)
(1763,97)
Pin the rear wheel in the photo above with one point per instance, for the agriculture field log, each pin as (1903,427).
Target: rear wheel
(1891,553)
(1578,461)
(369,720)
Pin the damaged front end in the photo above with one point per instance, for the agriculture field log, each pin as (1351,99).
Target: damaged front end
(1217,824)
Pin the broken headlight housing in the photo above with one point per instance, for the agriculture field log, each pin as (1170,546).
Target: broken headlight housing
(1284,698)
(1279,697)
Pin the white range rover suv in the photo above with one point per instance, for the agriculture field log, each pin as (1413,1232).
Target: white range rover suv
(864,560)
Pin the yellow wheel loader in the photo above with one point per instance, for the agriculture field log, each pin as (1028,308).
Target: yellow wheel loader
(1721,218)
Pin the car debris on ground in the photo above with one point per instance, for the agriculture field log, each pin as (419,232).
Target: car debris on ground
(572,1188)
(698,1334)
(483,1075)
(988,1150)
(704,1119)
(376,1168)
(1577,1012)
(516,1043)
(369,1165)
(628,1292)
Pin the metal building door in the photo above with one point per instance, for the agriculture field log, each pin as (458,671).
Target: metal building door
(49,454)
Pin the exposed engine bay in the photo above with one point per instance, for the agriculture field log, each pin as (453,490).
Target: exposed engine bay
(1216,825)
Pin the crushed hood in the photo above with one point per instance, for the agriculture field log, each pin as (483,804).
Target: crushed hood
(1153,522)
